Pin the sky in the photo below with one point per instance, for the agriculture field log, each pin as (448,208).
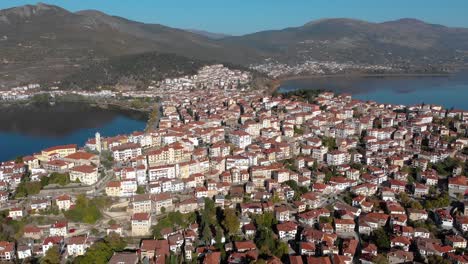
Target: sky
(237,17)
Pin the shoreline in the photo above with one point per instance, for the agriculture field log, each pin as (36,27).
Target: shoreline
(276,83)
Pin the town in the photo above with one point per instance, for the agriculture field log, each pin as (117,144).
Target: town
(310,67)
(211,75)
(236,175)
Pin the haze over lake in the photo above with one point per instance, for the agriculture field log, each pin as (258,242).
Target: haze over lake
(24,131)
(448,91)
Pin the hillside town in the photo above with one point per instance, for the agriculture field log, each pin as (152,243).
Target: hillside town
(241,176)
(211,75)
(276,69)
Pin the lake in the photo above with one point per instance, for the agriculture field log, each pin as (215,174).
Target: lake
(448,91)
(26,130)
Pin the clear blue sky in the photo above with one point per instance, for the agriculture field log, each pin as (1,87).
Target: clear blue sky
(246,16)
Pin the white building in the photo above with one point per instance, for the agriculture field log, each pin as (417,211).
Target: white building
(86,174)
(240,138)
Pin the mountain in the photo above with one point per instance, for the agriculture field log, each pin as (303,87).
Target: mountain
(404,41)
(134,70)
(207,34)
(44,42)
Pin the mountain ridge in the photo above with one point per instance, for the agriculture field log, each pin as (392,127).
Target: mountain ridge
(44,43)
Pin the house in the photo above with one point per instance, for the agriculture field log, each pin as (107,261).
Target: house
(294,260)
(420,190)
(456,241)
(240,139)
(254,208)
(114,189)
(124,258)
(313,216)
(462,223)
(57,165)
(162,200)
(300,206)
(151,249)
(141,224)
(64,202)
(397,186)
(400,256)
(32,232)
(311,199)
(59,228)
(336,158)
(212,257)
(39,205)
(142,203)
(244,246)
(401,242)
(23,252)
(16,213)
(307,248)
(282,213)
(370,249)
(249,229)
(444,218)
(56,151)
(7,251)
(126,151)
(417,214)
(349,247)
(82,158)
(287,230)
(457,186)
(87,174)
(52,241)
(421,232)
(76,246)
(318,260)
(116,228)
(344,226)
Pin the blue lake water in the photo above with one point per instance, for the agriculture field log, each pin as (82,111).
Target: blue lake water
(448,91)
(26,131)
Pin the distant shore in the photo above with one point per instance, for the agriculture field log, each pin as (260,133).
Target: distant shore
(276,83)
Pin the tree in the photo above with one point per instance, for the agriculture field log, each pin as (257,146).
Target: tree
(61,179)
(265,240)
(380,259)
(101,251)
(325,219)
(219,237)
(26,188)
(275,199)
(434,259)
(206,234)
(382,241)
(140,190)
(52,256)
(281,248)
(442,200)
(85,210)
(416,205)
(115,242)
(405,200)
(231,221)
(19,159)
(267,220)
(329,142)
